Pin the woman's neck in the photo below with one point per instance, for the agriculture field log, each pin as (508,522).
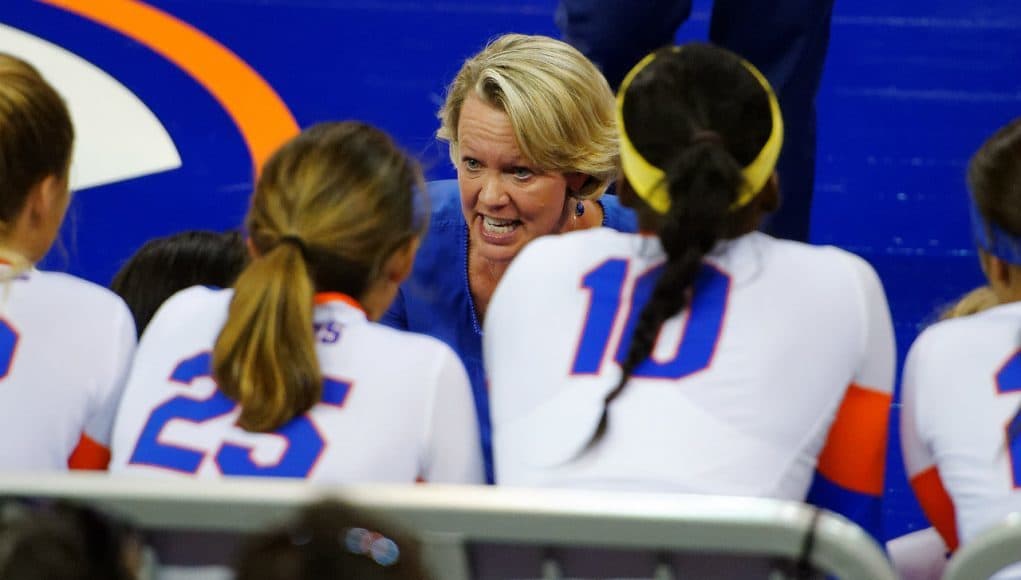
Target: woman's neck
(483,276)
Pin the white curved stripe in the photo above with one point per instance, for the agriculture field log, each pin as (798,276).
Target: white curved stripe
(117,137)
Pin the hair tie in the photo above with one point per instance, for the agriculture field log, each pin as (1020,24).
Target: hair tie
(706,136)
(296,242)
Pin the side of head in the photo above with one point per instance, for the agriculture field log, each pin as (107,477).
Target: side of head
(559,104)
(36,137)
(331,540)
(698,157)
(164,266)
(994,179)
(339,208)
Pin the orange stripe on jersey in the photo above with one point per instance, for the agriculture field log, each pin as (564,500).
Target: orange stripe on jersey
(89,455)
(936,504)
(327,297)
(855,451)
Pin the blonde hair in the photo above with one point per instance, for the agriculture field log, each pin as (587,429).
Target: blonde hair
(36,137)
(975,301)
(559,104)
(329,208)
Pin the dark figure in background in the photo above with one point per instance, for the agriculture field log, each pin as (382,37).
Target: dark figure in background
(66,542)
(331,540)
(164,266)
(785,39)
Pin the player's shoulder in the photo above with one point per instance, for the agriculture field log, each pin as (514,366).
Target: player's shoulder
(197,305)
(407,343)
(952,339)
(576,247)
(88,302)
(74,290)
(824,264)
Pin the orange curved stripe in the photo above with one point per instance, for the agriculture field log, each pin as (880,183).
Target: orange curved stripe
(261,116)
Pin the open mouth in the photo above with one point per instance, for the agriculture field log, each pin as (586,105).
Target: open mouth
(499,227)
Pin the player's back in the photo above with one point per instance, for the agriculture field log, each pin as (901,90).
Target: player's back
(737,397)
(962,388)
(395,406)
(65,347)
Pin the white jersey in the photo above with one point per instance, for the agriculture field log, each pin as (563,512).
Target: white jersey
(65,348)
(737,398)
(396,406)
(961,390)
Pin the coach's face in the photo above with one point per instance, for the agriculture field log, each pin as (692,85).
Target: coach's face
(506,201)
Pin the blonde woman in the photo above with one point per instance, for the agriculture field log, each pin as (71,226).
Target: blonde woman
(531,130)
(65,344)
(287,375)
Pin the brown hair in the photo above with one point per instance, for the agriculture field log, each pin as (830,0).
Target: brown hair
(994,178)
(36,136)
(328,210)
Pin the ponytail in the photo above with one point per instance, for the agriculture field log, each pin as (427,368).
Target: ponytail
(265,355)
(703,181)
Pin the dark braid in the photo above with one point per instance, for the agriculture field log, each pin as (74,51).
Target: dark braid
(700,90)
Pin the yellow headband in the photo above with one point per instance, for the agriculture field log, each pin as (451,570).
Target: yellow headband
(649,182)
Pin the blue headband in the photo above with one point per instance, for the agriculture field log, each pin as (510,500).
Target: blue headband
(993,240)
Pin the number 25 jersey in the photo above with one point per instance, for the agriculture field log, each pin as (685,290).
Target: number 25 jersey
(395,407)
(785,355)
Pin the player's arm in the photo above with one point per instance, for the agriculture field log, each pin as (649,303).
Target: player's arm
(849,476)
(453,450)
(919,462)
(93,449)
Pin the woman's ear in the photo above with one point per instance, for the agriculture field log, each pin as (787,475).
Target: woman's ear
(575,181)
(46,200)
(770,194)
(998,273)
(253,253)
(398,266)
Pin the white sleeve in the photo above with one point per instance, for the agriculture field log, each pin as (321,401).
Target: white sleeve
(515,313)
(917,455)
(99,423)
(453,450)
(877,368)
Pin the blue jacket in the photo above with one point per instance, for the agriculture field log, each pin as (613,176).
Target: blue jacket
(435,299)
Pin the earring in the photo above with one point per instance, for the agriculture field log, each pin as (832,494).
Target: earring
(579,209)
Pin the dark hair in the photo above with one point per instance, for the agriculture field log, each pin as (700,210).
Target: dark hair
(994,178)
(700,116)
(331,540)
(163,266)
(330,207)
(63,540)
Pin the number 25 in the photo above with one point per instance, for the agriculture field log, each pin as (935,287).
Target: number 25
(304,443)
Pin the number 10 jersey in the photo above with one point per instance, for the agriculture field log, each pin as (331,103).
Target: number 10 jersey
(783,363)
